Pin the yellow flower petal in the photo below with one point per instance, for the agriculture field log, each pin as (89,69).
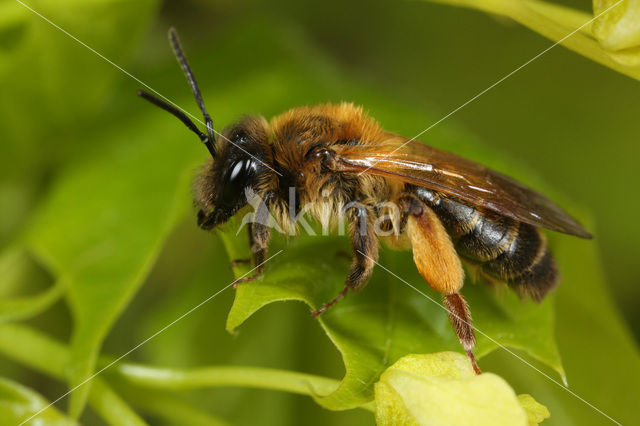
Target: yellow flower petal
(536,412)
(619,29)
(442,389)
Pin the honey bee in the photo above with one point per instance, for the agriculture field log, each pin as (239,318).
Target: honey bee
(341,162)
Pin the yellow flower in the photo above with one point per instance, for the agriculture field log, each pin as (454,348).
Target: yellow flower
(619,31)
(442,389)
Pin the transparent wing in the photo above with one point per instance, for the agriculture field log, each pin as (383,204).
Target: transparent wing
(418,164)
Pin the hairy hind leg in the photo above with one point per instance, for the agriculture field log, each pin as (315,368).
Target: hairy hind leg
(439,264)
(460,317)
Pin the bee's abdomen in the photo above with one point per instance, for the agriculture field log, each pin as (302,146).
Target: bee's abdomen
(508,250)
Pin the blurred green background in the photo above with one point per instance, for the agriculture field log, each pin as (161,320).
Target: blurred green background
(571,122)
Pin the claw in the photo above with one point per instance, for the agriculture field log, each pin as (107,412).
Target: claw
(472,358)
(326,307)
(247,279)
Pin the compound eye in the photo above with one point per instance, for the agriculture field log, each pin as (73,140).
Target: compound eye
(237,171)
(241,171)
(238,178)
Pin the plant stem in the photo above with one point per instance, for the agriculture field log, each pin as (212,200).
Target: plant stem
(44,354)
(253,377)
(110,406)
(237,376)
(21,308)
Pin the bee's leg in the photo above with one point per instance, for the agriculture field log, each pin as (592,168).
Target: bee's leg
(364,243)
(460,317)
(259,236)
(236,262)
(439,264)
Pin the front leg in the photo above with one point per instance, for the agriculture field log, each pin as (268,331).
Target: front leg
(259,237)
(364,244)
(258,231)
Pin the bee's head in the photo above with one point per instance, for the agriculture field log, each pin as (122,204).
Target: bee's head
(238,158)
(239,168)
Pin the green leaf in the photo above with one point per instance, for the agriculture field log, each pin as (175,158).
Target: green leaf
(388,319)
(442,388)
(19,403)
(43,64)
(105,244)
(56,81)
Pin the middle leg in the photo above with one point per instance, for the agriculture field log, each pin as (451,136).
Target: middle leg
(364,244)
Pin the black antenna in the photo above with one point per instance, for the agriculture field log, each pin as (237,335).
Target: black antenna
(181,116)
(182,59)
(208,139)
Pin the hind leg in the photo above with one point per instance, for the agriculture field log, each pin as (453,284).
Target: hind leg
(439,264)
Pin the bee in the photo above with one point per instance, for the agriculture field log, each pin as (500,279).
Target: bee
(342,163)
